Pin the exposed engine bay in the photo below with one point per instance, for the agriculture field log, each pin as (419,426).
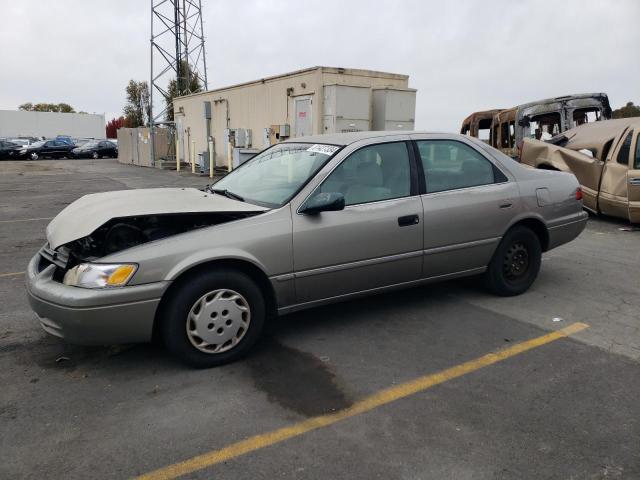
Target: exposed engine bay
(125,232)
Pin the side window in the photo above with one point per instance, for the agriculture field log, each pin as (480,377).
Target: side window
(636,163)
(512,133)
(450,165)
(49,144)
(625,149)
(374,173)
(504,135)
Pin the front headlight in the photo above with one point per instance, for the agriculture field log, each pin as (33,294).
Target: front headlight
(23,151)
(100,275)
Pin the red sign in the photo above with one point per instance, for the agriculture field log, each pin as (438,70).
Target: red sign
(302,114)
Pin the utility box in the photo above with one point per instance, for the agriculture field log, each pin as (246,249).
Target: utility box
(241,155)
(346,109)
(394,109)
(243,137)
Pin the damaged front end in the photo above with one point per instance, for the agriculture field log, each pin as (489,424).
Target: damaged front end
(126,232)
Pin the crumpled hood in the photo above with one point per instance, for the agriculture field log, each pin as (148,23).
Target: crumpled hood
(89,212)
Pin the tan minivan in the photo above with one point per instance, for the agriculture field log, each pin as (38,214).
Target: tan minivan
(604,156)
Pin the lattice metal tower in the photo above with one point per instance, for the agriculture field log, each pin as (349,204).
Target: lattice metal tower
(177,39)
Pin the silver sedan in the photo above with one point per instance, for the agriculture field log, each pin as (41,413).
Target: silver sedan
(306,222)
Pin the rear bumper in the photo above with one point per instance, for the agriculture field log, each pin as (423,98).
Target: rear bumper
(565,232)
(92,317)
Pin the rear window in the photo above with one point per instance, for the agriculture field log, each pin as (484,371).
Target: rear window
(625,149)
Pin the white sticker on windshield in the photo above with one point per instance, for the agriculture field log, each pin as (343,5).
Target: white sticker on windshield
(320,148)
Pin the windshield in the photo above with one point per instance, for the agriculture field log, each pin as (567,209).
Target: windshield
(89,144)
(272,177)
(37,144)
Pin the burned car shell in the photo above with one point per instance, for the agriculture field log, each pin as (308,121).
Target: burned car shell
(510,126)
(298,265)
(604,156)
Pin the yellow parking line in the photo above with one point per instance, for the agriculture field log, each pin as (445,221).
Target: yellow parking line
(26,220)
(11,274)
(365,405)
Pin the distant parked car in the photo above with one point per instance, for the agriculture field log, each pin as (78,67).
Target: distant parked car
(66,139)
(9,150)
(21,142)
(47,149)
(94,149)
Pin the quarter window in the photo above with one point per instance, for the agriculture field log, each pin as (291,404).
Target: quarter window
(373,173)
(625,149)
(450,165)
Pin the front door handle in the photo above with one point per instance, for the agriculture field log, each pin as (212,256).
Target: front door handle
(408,220)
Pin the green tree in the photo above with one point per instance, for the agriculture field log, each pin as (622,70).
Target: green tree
(629,110)
(189,83)
(47,107)
(137,109)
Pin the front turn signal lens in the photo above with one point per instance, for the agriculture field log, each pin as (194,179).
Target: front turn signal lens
(121,275)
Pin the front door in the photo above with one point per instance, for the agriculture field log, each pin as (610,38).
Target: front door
(468,206)
(303,120)
(614,195)
(375,241)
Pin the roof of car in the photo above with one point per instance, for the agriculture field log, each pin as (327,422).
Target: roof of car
(596,134)
(349,137)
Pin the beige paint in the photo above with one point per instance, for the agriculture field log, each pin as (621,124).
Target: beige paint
(608,187)
(259,104)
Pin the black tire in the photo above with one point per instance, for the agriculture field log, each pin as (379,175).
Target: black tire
(183,296)
(515,263)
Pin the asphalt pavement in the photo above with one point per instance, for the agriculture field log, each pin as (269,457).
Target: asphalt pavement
(406,385)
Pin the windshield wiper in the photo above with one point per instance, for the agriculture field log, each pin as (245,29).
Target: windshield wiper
(227,193)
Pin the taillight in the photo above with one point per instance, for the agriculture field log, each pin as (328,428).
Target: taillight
(578,193)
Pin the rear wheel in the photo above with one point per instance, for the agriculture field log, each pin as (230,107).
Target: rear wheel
(515,263)
(213,318)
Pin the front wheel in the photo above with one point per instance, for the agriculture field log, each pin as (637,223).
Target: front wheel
(515,263)
(95,155)
(213,318)
(34,156)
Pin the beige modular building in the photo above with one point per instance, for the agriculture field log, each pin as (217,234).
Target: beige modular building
(316,100)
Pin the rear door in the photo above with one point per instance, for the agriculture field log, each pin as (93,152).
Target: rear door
(468,205)
(633,182)
(376,240)
(613,198)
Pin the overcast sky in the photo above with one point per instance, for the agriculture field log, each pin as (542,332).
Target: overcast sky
(462,56)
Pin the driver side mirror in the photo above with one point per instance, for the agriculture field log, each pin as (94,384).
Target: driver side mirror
(323,202)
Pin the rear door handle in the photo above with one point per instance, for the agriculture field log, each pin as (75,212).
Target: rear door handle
(408,220)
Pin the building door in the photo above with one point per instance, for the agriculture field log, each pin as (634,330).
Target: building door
(303,119)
